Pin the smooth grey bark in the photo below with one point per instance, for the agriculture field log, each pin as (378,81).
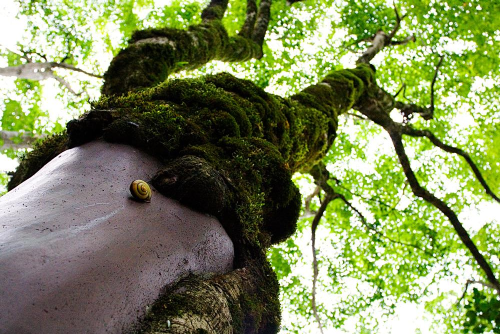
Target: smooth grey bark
(43,71)
(79,255)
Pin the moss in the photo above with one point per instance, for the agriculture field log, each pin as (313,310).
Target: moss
(153,54)
(228,131)
(43,151)
(251,296)
(229,149)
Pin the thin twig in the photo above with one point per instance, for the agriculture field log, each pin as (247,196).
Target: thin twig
(76,69)
(66,84)
(407,40)
(321,176)
(434,82)
(262,22)
(398,23)
(403,86)
(468,283)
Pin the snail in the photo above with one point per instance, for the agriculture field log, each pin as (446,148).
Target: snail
(140,190)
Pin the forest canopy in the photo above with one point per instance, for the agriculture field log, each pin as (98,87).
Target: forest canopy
(378,249)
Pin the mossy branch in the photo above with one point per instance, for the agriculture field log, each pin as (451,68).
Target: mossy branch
(154,54)
(214,11)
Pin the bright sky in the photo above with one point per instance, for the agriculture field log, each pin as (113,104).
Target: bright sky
(409,318)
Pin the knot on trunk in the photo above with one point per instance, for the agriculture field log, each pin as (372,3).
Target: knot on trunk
(195,183)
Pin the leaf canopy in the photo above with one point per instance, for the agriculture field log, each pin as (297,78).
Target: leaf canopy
(405,252)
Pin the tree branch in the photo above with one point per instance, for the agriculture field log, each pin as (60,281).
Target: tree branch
(152,54)
(250,18)
(398,23)
(76,69)
(321,176)
(17,140)
(427,113)
(468,283)
(262,22)
(30,71)
(381,40)
(377,109)
(408,130)
(314,226)
(214,11)
(66,85)
(307,201)
(421,192)
(434,82)
(407,40)
(39,71)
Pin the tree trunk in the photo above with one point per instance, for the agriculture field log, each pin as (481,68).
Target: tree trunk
(218,145)
(223,146)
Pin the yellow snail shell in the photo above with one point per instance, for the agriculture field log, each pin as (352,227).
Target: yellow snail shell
(140,190)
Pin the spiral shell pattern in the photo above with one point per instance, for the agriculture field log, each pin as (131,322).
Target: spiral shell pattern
(140,190)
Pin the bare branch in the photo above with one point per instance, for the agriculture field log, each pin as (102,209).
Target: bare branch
(308,199)
(434,82)
(407,40)
(321,176)
(314,226)
(76,69)
(403,87)
(382,39)
(30,71)
(408,130)
(423,193)
(408,109)
(398,23)
(376,111)
(357,116)
(66,85)
(470,282)
(39,71)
